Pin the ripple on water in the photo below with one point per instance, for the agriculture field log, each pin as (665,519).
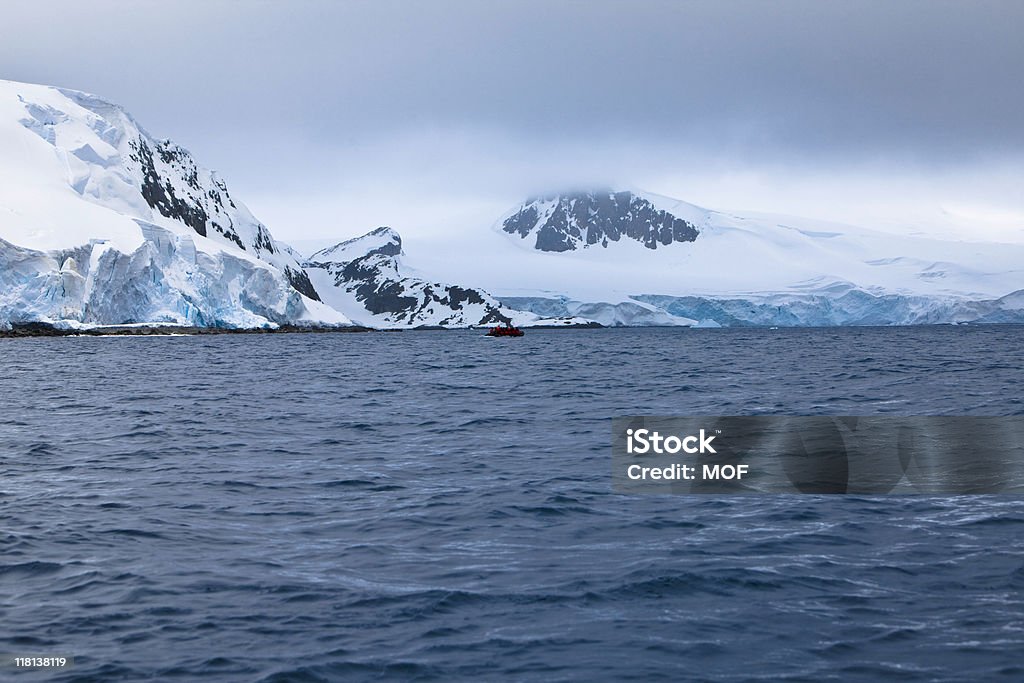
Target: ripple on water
(437,506)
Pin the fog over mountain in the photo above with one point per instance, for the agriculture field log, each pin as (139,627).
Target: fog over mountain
(335,117)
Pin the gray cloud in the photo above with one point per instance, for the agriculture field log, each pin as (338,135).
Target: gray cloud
(276,93)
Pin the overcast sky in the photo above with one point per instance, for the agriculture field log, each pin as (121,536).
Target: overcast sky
(329,118)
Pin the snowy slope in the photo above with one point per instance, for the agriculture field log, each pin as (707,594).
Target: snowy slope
(800,266)
(363,277)
(755,253)
(102,224)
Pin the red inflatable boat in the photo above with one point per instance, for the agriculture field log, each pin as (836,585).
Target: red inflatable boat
(505,331)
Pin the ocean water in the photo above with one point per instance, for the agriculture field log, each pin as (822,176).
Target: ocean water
(437,506)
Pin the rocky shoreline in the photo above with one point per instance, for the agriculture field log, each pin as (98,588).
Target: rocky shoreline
(46,330)
(37,329)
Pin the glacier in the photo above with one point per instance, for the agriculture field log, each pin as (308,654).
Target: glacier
(855,307)
(163,281)
(101,224)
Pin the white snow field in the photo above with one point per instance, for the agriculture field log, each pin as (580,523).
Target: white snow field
(737,269)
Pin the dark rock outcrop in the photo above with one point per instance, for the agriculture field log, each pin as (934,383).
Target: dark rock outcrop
(584,219)
(368,269)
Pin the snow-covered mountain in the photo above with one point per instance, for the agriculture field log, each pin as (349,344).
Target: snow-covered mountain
(363,277)
(596,255)
(100,223)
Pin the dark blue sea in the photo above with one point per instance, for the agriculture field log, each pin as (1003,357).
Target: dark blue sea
(438,506)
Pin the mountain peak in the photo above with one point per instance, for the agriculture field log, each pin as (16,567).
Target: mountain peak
(595,219)
(146,232)
(382,240)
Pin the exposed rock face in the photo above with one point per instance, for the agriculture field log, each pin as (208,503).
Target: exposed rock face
(366,272)
(174,185)
(299,280)
(587,219)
